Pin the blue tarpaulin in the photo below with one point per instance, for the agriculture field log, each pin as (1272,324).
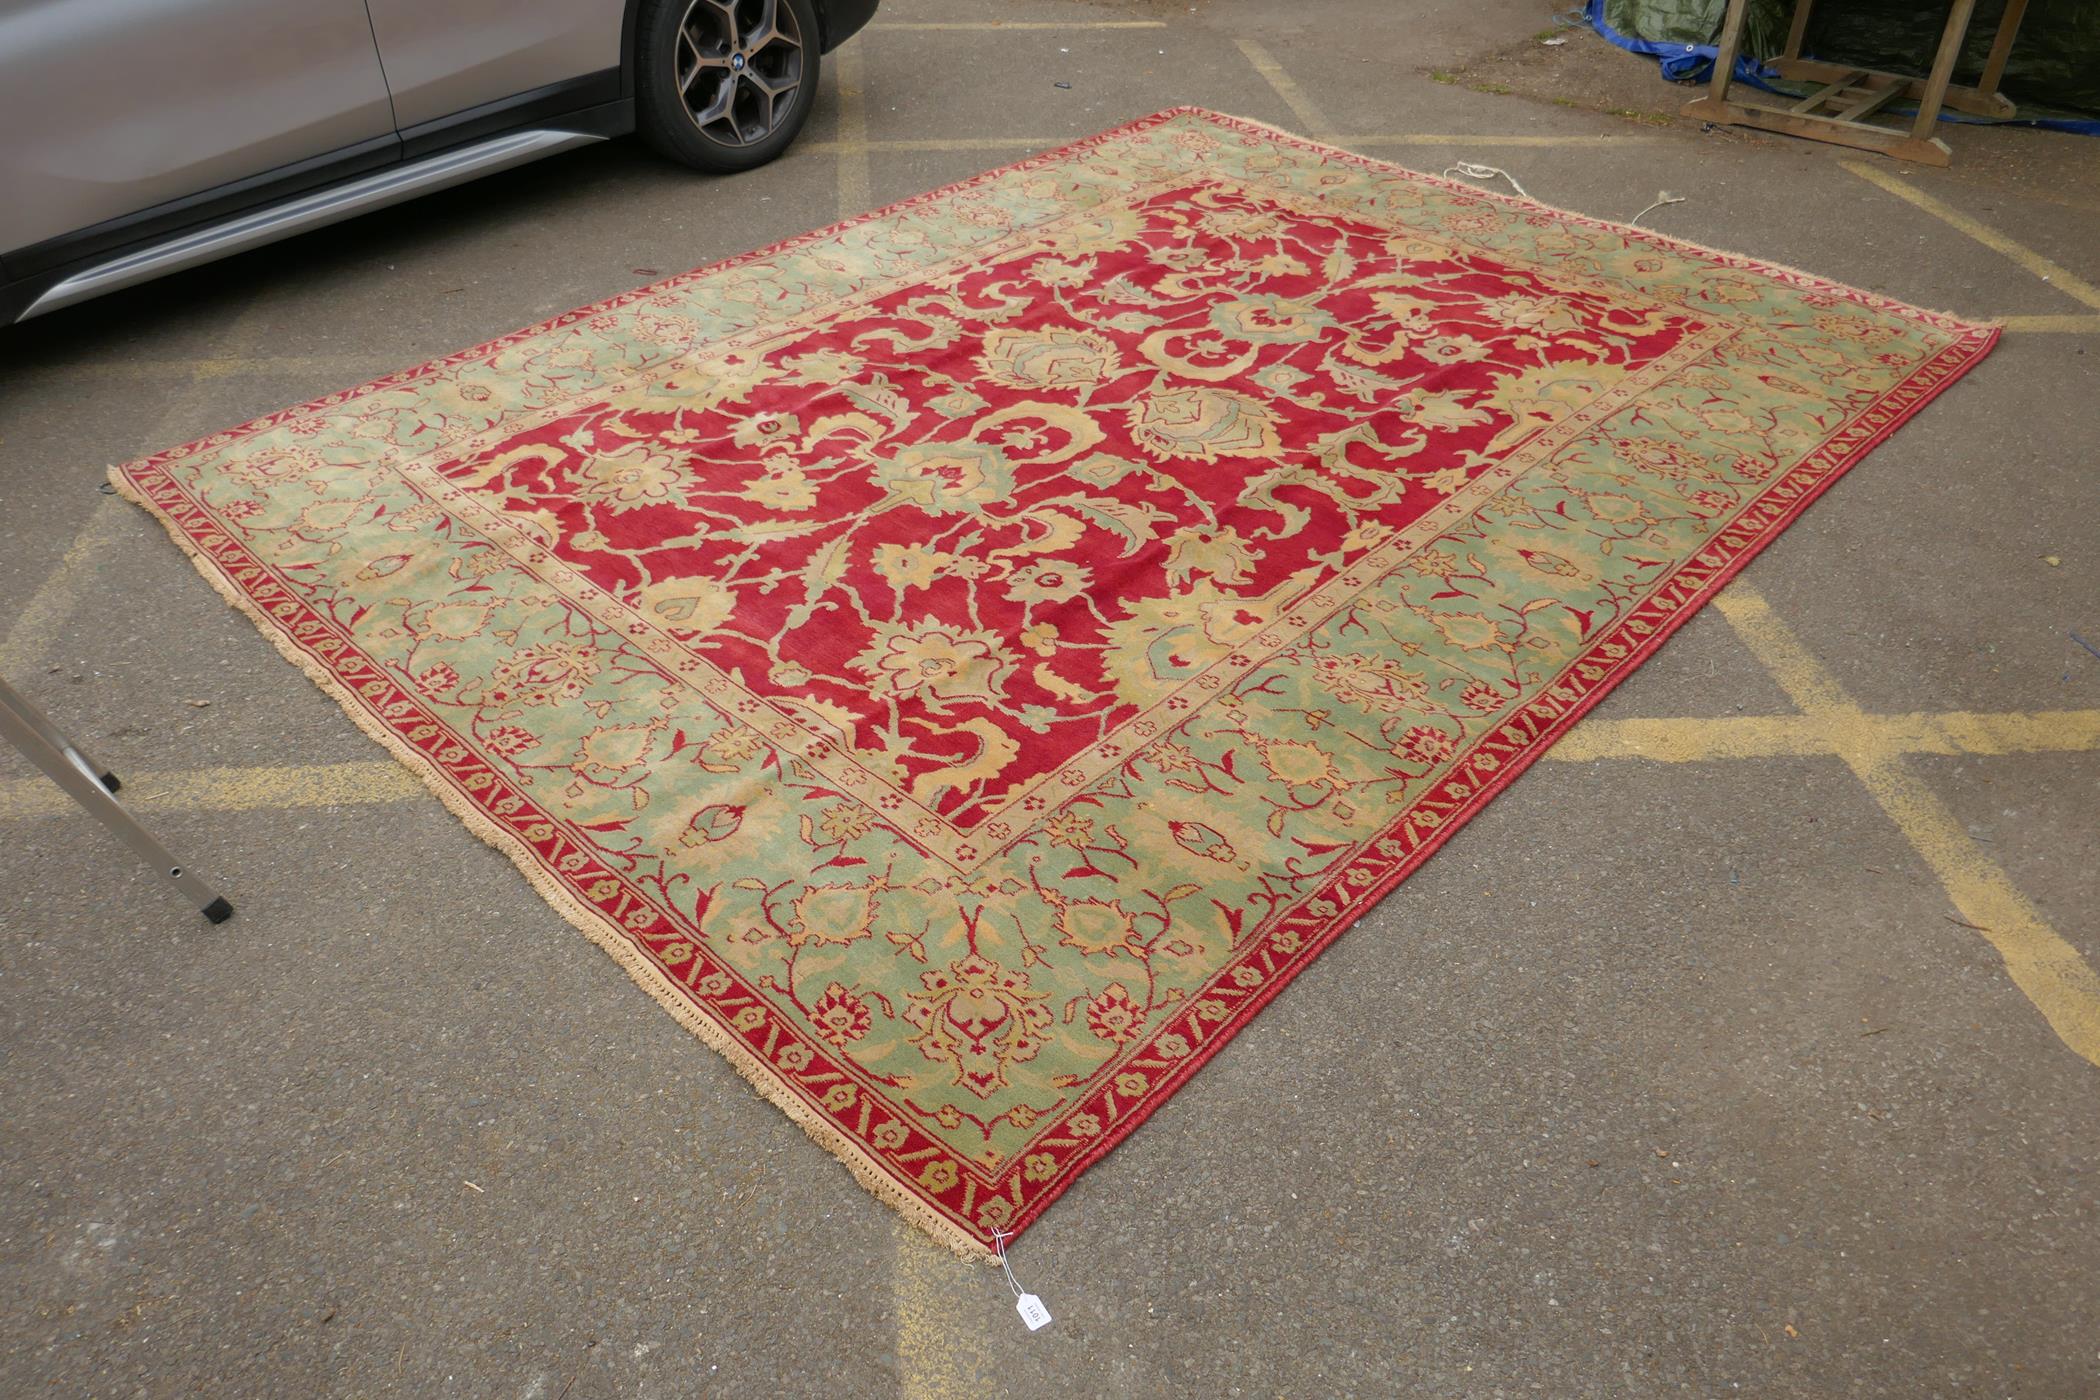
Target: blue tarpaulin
(1684,61)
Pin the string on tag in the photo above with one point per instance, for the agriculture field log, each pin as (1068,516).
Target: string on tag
(1026,1304)
(1485,172)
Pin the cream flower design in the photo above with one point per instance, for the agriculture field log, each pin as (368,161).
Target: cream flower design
(1203,424)
(1097,928)
(1048,582)
(944,478)
(629,478)
(932,660)
(978,1019)
(1053,358)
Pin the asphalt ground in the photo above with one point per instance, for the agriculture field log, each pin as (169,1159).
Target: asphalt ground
(1750,1046)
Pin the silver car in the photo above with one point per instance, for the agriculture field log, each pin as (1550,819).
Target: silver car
(142,136)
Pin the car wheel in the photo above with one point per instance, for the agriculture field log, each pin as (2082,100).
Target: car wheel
(724,85)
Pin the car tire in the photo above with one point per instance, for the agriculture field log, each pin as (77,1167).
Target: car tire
(724,85)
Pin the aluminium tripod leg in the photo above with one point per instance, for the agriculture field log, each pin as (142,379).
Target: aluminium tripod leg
(48,732)
(22,725)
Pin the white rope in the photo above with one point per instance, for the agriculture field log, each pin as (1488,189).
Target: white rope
(1491,172)
(1662,197)
(1485,172)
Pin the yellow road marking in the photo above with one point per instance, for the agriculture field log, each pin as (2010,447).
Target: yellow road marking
(352,368)
(2059,325)
(963,143)
(2056,275)
(852,145)
(1612,138)
(227,789)
(1302,107)
(1672,740)
(1792,736)
(2060,983)
(985,24)
(936,1360)
(37,626)
(1045,143)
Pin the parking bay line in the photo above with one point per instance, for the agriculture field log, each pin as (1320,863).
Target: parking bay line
(1664,740)
(264,787)
(993,25)
(1681,740)
(2055,274)
(355,369)
(1032,144)
(852,145)
(2052,325)
(1286,87)
(35,629)
(2049,971)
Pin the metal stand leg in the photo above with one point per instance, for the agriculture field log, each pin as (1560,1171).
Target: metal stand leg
(89,784)
(46,731)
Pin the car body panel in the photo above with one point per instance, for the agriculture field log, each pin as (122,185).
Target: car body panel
(138,137)
(391,185)
(114,106)
(446,56)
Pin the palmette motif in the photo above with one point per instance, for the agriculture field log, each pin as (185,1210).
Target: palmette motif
(967,660)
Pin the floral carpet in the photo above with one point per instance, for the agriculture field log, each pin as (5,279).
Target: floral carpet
(965,661)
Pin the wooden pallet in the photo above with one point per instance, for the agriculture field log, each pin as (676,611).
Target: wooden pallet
(1840,109)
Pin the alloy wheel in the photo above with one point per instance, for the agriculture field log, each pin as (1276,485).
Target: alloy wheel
(738,66)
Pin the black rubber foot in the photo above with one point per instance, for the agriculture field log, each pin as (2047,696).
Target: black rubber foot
(218,911)
(109,780)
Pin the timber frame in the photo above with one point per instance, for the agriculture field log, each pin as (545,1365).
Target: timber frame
(1838,110)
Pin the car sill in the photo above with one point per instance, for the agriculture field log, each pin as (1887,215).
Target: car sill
(376,191)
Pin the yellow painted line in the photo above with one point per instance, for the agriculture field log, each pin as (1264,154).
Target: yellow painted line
(1045,143)
(36,628)
(226,789)
(962,143)
(1615,138)
(937,1360)
(1665,740)
(993,24)
(852,145)
(2055,274)
(1697,740)
(352,368)
(1302,107)
(2037,732)
(2054,325)
(1692,740)
(230,366)
(2052,974)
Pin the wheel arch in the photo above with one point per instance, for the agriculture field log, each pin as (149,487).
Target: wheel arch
(630,23)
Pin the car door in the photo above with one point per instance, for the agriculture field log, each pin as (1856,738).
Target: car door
(113,108)
(445,57)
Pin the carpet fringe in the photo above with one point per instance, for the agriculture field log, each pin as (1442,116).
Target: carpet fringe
(587,921)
